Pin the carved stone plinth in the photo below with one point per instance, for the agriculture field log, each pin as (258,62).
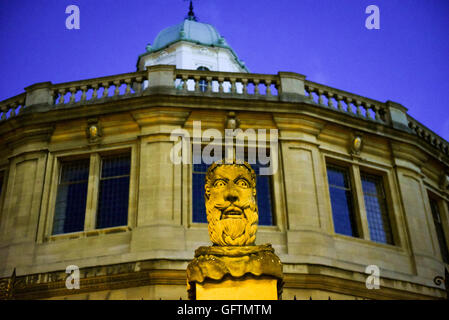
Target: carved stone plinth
(235,273)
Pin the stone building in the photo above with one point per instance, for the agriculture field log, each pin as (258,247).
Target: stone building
(86,179)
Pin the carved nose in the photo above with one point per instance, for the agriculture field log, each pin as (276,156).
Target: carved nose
(231,195)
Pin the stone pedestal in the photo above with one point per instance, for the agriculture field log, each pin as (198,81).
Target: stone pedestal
(242,289)
(235,273)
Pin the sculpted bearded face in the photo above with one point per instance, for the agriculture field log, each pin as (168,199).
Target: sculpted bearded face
(231,204)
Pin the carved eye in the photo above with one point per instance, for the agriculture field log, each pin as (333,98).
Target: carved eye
(219,183)
(242,183)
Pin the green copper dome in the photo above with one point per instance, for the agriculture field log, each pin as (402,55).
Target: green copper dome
(191,31)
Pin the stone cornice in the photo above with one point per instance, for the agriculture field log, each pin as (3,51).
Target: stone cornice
(187,103)
(291,87)
(139,273)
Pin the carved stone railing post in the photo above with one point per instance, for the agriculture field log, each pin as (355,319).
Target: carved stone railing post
(221,85)
(209,84)
(348,105)
(256,86)
(184,80)
(83,94)
(72,94)
(268,88)
(39,94)
(197,80)
(330,103)
(117,88)
(95,92)
(398,115)
(339,104)
(3,110)
(161,78)
(233,85)
(320,96)
(138,85)
(291,86)
(105,85)
(245,86)
(128,86)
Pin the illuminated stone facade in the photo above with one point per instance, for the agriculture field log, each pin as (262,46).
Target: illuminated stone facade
(325,134)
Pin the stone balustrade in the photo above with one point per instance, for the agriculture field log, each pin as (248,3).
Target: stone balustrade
(428,135)
(245,84)
(346,102)
(90,91)
(166,79)
(12,107)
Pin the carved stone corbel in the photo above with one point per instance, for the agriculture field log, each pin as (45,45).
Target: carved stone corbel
(356,144)
(232,122)
(94,131)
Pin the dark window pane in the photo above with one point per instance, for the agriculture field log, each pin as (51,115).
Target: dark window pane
(117,166)
(337,177)
(376,209)
(113,203)
(75,171)
(341,201)
(342,212)
(198,207)
(440,231)
(114,192)
(203,83)
(200,168)
(71,197)
(263,194)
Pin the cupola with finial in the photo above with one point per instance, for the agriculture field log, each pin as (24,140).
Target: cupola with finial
(191,45)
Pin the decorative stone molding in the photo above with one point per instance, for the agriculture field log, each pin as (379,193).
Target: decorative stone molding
(129,275)
(232,122)
(356,144)
(94,131)
(206,51)
(444,182)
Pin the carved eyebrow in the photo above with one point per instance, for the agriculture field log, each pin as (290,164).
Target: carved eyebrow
(218,177)
(241,176)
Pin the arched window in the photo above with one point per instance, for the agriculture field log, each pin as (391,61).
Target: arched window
(203,83)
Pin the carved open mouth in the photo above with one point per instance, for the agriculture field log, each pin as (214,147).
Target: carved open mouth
(232,212)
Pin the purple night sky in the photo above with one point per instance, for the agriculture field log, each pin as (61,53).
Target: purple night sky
(406,61)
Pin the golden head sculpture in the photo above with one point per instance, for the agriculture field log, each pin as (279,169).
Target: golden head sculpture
(231,207)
